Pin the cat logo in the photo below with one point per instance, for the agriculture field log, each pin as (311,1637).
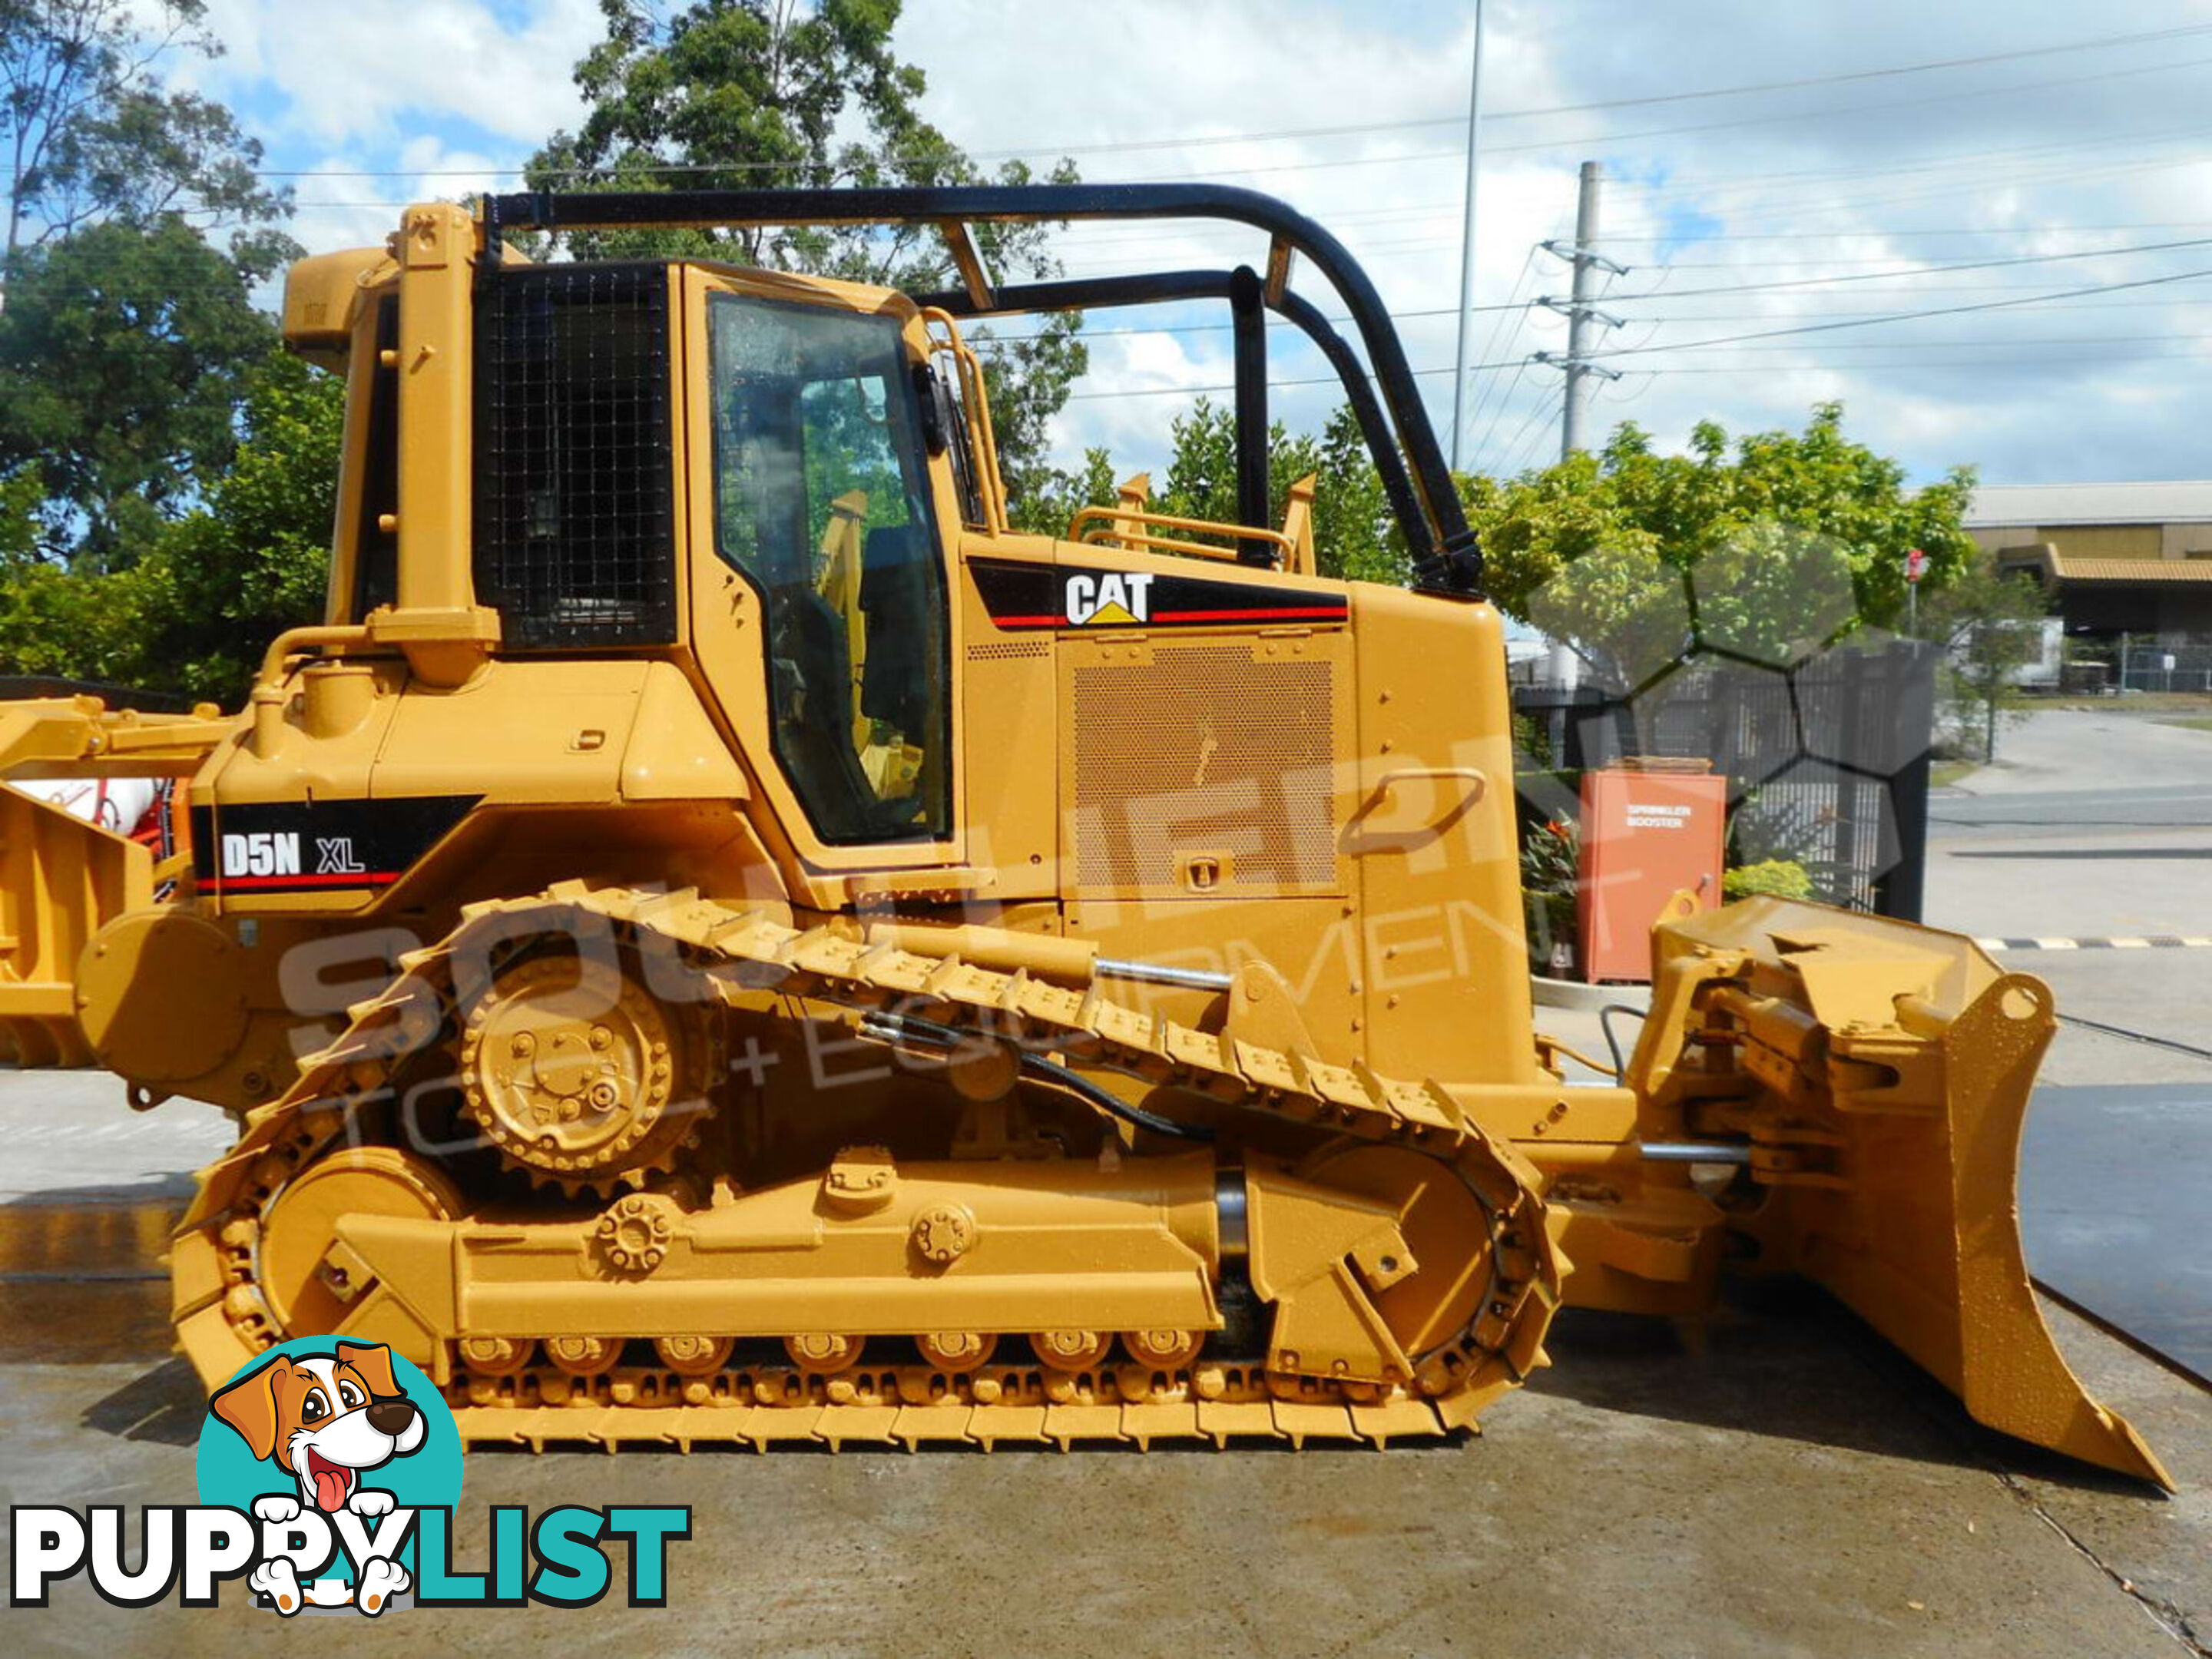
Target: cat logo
(1105,598)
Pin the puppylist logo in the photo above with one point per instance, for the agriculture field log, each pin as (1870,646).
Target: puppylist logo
(329,1472)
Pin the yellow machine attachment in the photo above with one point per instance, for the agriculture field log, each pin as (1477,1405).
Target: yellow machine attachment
(62,879)
(1874,1077)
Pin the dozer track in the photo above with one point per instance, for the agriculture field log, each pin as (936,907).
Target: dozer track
(1501,1281)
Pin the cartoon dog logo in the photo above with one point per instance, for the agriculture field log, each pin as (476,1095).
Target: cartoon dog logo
(324,1421)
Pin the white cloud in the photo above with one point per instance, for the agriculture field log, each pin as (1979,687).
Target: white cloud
(1888,178)
(353,74)
(1855,183)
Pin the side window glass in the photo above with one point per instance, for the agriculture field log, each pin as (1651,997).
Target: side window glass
(821,502)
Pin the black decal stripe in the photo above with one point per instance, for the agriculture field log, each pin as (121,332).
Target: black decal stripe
(1032,596)
(334,846)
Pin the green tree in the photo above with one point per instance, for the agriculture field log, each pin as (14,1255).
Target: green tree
(193,614)
(78,626)
(1990,626)
(127,335)
(90,133)
(1050,507)
(1777,543)
(21,498)
(733,94)
(125,352)
(254,559)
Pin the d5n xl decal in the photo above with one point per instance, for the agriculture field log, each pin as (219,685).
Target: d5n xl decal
(305,846)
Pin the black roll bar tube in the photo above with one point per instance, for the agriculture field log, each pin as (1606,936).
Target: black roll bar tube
(1446,560)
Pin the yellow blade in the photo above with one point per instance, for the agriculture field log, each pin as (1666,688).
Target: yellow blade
(1894,1066)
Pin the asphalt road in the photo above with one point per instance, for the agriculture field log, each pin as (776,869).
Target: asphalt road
(2058,813)
(2093,825)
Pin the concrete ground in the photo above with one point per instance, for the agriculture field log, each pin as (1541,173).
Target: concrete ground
(1789,1485)
(1792,1485)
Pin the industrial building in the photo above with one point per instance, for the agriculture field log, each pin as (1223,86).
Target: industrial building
(2121,559)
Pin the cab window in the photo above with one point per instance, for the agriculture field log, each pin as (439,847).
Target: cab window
(821,502)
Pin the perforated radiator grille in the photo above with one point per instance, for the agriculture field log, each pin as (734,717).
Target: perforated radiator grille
(1204,747)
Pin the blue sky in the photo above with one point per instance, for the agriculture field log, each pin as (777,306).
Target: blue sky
(1817,217)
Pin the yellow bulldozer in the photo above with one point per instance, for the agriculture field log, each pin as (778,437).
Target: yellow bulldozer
(718,938)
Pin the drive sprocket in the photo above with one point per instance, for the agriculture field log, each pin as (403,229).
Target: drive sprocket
(578,1075)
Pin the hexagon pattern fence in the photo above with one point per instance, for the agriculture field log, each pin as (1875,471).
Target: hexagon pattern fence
(1826,757)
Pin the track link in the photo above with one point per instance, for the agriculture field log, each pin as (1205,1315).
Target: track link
(223,1318)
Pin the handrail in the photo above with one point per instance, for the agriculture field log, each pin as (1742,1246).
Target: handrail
(975,411)
(1112,523)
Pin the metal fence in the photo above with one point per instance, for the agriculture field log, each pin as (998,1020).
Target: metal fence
(2146,665)
(1826,762)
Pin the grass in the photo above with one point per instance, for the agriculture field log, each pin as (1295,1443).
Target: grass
(2135,702)
(2197,723)
(1943,773)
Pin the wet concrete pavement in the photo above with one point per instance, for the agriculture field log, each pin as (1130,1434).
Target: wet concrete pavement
(2113,1184)
(1794,1486)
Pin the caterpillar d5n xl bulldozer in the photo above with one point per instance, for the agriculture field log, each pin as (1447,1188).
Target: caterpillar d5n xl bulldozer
(717,938)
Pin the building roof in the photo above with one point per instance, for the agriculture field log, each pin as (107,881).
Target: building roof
(2056,567)
(2187,501)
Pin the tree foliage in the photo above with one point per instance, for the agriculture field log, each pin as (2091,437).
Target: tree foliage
(127,336)
(125,353)
(192,615)
(738,95)
(254,559)
(1989,624)
(90,133)
(1765,547)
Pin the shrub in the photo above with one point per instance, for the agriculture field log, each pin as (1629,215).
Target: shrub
(1771,878)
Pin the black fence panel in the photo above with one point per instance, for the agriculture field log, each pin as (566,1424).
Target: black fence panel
(1826,761)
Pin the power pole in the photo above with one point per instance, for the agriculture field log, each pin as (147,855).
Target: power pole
(1578,366)
(1466,252)
(1581,309)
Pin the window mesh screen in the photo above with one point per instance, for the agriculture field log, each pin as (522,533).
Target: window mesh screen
(574,514)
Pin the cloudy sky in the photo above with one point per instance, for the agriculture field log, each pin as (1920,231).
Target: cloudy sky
(1818,176)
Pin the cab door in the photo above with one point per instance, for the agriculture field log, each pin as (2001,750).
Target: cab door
(820,620)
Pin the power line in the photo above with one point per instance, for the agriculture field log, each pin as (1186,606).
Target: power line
(1927,270)
(1914,365)
(1684,238)
(1504,327)
(1680,185)
(1796,283)
(1601,139)
(1979,363)
(1360,129)
(1907,316)
(1869,75)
